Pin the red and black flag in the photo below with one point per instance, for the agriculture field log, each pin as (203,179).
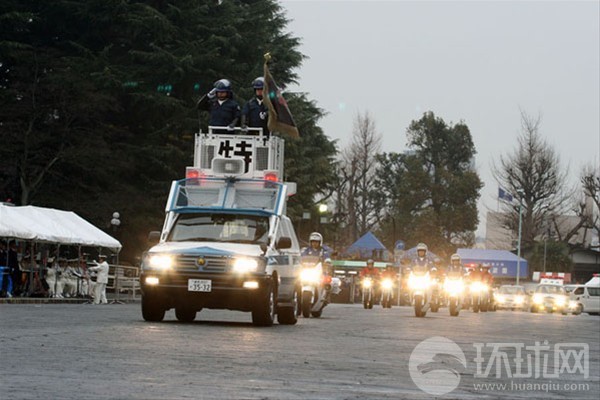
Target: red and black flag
(280,118)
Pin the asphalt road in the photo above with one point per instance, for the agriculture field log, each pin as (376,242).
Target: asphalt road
(61,351)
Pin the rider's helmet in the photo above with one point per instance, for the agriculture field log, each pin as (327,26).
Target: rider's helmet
(316,237)
(370,263)
(258,83)
(481,268)
(223,85)
(421,250)
(455,259)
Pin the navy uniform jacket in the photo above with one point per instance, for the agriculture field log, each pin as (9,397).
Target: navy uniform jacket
(256,114)
(223,114)
(220,114)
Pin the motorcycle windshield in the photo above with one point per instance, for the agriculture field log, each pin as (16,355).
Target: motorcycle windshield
(310,260)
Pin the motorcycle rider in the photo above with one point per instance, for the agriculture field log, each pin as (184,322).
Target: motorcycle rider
(421,264)
(315,248)
(370,271)
(455,269)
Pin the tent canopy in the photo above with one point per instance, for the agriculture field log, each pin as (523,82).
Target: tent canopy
(52,226)
(366,246)
(501,262)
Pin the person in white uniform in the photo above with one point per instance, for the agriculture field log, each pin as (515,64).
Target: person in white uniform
(101,270)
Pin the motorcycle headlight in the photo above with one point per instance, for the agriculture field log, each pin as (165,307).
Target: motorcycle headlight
(309,275)
(477,287)
(245,265)
(367,283)
(387,284)
(538,298)
(160,261)
(418,282)
(453,286)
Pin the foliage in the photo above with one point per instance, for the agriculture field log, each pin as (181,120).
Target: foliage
(431,191)
(98,99)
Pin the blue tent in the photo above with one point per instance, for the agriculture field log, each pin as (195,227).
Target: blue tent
(502,263)
(368,246)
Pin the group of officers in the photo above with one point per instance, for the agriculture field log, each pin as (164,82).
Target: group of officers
(420,264)
(225,111)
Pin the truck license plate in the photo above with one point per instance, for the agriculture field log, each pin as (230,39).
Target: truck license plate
(199,285)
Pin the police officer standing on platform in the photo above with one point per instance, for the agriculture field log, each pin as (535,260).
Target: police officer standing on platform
(255,113)
(224,110)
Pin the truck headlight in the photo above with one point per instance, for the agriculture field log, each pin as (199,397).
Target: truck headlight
(245,265)
(160,261)
(500,298)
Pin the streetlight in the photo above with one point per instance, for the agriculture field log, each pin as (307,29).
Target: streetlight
(322,210)
(520,193)
(115,222)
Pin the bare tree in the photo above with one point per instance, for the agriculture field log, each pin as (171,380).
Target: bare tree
(533,172)
(355,199)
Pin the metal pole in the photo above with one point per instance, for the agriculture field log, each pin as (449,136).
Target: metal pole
(519,244)
(545,242)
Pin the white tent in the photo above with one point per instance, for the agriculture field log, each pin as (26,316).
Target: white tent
(52,226)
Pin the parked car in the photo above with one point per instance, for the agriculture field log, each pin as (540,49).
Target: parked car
(550,298)
(510,297)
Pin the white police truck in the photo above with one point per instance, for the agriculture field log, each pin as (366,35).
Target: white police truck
(226,242)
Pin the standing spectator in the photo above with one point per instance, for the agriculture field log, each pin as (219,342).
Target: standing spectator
(255,114)
(13,266)
(101,269)
(4,271)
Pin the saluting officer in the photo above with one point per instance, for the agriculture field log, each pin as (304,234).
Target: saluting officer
(224,110)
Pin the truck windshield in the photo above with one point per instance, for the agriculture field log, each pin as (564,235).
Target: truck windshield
(220,228)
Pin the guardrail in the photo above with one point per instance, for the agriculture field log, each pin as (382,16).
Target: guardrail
(123,278)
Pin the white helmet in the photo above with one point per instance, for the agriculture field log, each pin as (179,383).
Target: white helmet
(455,257)
(316,236)
(421,246)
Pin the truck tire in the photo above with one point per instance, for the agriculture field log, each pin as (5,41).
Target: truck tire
(185,314)
(263,313)
(306,303)
(289,315)
(152,311)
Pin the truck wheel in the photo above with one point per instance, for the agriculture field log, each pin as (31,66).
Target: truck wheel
(306,303)
(152,311)
(288,315)
(263,313)
(185,314)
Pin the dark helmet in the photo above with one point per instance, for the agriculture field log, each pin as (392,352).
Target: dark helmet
(258,83)
(223,85)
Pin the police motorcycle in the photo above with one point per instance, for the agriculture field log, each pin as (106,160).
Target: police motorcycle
(479,296)
(420,282)
(368,292)
(454,285)
(387,292)
(317,286)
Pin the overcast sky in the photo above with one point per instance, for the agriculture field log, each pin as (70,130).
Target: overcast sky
(479,62)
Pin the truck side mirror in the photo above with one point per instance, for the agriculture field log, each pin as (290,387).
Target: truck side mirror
(153,238)
(284,242)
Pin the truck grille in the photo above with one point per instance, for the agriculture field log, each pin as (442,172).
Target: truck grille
(209,263)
